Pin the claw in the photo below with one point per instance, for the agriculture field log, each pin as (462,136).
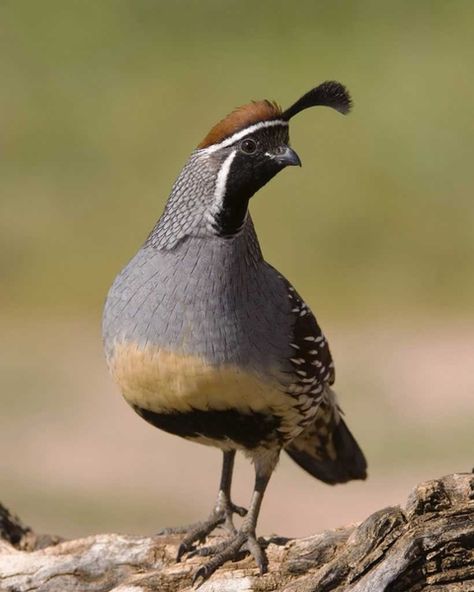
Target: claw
(201,573)
(182,550)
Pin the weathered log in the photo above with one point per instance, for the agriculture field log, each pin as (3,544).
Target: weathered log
(428,545)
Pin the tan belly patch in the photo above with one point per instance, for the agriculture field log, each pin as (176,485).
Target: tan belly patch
(162,381)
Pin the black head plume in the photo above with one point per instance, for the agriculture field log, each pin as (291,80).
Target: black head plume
(328,94)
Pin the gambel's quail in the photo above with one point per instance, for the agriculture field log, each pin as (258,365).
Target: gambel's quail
(209,342)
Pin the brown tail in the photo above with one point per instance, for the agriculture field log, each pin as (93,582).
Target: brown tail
(329,453)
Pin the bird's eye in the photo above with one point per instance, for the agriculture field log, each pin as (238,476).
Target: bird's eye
(248,146)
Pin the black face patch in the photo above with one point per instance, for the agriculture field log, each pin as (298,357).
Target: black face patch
(247,429)
(248,173)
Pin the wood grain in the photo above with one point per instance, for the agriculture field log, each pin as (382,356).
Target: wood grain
(427,545)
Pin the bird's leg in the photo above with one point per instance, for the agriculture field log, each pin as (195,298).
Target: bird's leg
(224,504)
(244,540)
(221,515)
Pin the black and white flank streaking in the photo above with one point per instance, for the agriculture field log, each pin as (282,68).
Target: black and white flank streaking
(209,342)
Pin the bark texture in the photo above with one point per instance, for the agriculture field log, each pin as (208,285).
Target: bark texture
(428,545)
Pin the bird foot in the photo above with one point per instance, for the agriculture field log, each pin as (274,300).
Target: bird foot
(198,532)
(232,549)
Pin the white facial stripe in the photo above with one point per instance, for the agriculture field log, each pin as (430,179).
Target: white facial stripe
(219,191)
(242,133)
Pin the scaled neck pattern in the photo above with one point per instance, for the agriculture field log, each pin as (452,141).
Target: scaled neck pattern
(193,210)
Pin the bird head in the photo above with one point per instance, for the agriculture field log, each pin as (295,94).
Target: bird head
(251,145)
(238,156)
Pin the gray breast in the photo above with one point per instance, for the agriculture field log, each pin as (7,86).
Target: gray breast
(214,298)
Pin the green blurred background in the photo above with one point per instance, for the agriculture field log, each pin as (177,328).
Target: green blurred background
(100,105)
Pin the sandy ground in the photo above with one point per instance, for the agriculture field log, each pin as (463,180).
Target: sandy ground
(74,459)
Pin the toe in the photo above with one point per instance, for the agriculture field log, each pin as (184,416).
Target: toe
(198,534)
(210,550)
(228,552)
(232,549)
(258,554)
(239,510)
(174,530)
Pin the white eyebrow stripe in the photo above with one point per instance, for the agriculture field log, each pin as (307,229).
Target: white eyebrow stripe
(242,133)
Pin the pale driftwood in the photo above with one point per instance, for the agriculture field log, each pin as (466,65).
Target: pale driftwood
(428,545)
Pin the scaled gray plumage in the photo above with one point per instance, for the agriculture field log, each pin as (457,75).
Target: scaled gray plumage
(209,342)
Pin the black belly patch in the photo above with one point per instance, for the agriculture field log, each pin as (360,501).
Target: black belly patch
(247,429)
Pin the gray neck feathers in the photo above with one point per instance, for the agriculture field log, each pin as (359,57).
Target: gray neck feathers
(185,224)
(191,205)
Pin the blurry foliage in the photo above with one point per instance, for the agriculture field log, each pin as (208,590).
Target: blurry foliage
(102,102)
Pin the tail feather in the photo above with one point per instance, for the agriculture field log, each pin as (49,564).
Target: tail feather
(331,454)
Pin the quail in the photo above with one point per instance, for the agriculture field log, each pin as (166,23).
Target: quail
(209,342)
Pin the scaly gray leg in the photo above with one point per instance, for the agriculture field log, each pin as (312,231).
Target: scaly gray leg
(244,541)
(221,515)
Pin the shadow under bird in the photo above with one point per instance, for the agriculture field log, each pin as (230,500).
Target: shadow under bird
(209,342)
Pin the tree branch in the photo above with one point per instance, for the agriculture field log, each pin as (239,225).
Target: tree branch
(428,545)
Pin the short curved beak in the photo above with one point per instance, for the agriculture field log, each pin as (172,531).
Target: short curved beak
(288,157)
